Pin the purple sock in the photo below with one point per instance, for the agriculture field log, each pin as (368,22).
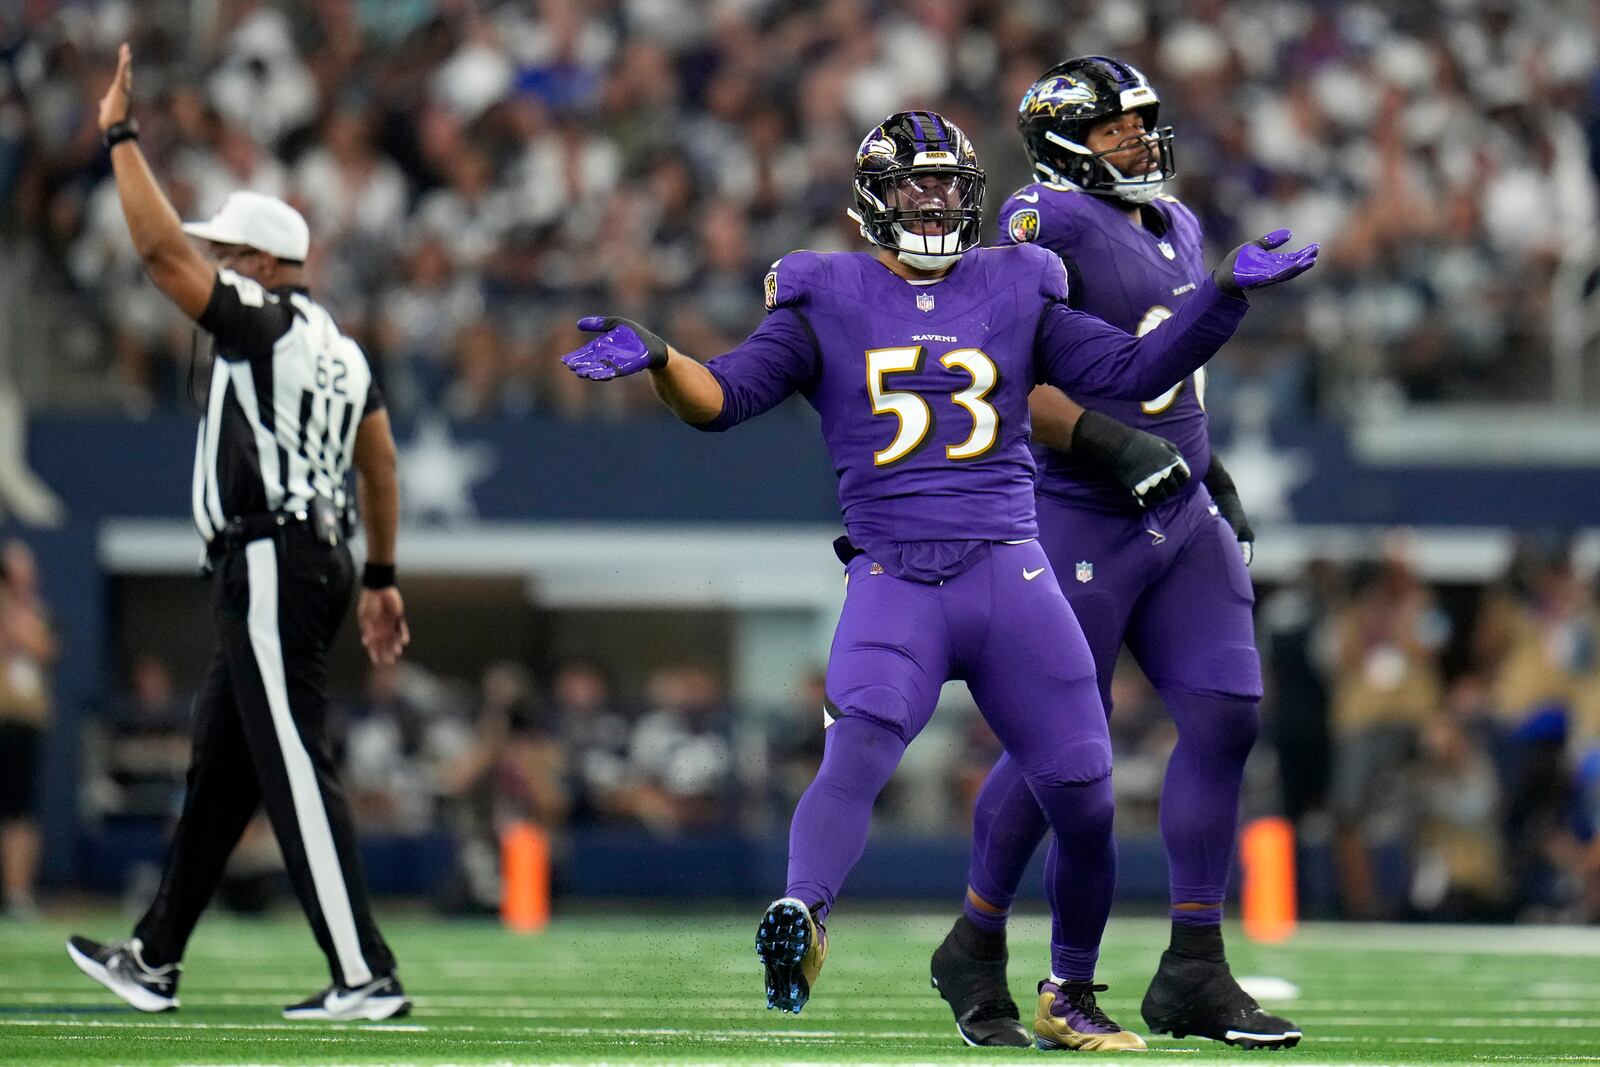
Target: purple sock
(1007,827)
(1080,873)
(1191,916)
(1200,798)
(829,830)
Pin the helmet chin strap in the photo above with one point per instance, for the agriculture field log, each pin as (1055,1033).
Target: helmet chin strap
(913,250)
(922,261)
(919,260)
(1133,190)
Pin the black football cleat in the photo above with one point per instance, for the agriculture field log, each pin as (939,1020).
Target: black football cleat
(977,993)
(792,946)
(382,998)
(1193,997)
(120,967)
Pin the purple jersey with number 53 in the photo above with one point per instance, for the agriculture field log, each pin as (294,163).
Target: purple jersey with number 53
(922,389)
(1134,278)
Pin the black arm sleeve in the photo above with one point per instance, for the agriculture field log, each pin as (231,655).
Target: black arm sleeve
(1226,496)
(1074,284)
(1217,478)
(244,318)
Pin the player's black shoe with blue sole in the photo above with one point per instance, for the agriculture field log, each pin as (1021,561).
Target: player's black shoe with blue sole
(792,946)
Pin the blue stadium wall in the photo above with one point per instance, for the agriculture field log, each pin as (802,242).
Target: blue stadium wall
(773,471)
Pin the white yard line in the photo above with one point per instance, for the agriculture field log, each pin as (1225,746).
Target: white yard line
(304,1028)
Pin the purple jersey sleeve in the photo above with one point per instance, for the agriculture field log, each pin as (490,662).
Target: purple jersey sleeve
(780,358)
(1083,354)
(1033,215)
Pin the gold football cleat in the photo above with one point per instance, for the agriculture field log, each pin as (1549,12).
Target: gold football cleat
(1069,1018)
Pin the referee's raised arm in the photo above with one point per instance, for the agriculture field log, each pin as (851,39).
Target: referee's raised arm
(172,261)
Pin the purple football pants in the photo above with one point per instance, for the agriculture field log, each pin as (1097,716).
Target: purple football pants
(1004,627)
(1172,584)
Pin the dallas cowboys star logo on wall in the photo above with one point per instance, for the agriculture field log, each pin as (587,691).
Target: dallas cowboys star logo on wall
(437,474)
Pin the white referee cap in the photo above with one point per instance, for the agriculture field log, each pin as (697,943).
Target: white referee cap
(264,223)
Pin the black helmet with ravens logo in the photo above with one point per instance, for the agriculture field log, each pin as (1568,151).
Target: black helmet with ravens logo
(919,189)
(1071,98)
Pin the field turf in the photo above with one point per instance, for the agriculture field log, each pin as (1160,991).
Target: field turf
(649,988)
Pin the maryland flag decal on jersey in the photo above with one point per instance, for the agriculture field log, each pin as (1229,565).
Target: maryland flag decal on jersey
(770,284)
(1024,225)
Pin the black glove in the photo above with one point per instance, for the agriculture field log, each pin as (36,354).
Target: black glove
(1151,467)
(1226,496)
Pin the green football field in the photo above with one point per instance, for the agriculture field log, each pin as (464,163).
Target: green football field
(625,988)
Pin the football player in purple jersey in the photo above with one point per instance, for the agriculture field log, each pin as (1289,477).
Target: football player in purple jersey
(1164,574)
(919,357)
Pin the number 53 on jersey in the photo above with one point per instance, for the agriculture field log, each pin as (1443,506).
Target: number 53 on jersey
(912,411)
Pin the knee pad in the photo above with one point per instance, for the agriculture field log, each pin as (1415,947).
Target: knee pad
(882,705)
(1215,727)
(859,755)
(1080,762)
(1089,806)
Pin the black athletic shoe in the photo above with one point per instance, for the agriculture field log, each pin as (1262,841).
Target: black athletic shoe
(381,998)
(120,967)
(977,993)
(1200,998)
(792,946)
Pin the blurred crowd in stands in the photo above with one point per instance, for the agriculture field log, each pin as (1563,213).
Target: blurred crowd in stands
(1438,750)
(476,172)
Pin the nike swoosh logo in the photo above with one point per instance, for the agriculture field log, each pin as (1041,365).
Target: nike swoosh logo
(1029,576)
(337,1003)
(1032,198)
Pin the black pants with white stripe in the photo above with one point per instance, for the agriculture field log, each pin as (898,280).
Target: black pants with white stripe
(260,740)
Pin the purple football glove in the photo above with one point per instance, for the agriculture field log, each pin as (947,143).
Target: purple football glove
(1254,264)
(624,347)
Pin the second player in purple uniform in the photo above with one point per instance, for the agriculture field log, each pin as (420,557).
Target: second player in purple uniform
(1169,581)
(919,359)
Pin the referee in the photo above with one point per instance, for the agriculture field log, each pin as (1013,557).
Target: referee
(291,405)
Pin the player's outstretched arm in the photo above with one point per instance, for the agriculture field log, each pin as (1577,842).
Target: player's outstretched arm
(777,360)
(174,264)
(1151,467)
(624,347)
(1083,354)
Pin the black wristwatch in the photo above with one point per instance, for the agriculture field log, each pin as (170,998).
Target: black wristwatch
(117,132)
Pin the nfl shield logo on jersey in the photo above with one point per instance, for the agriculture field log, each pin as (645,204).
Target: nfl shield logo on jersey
(1167,250)
(1085,571)
(1024,225)
(924,301)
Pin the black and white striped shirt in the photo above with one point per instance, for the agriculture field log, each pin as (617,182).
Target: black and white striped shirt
(288,391)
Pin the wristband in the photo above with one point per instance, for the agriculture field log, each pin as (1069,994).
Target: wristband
(117,132)
(377,576)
